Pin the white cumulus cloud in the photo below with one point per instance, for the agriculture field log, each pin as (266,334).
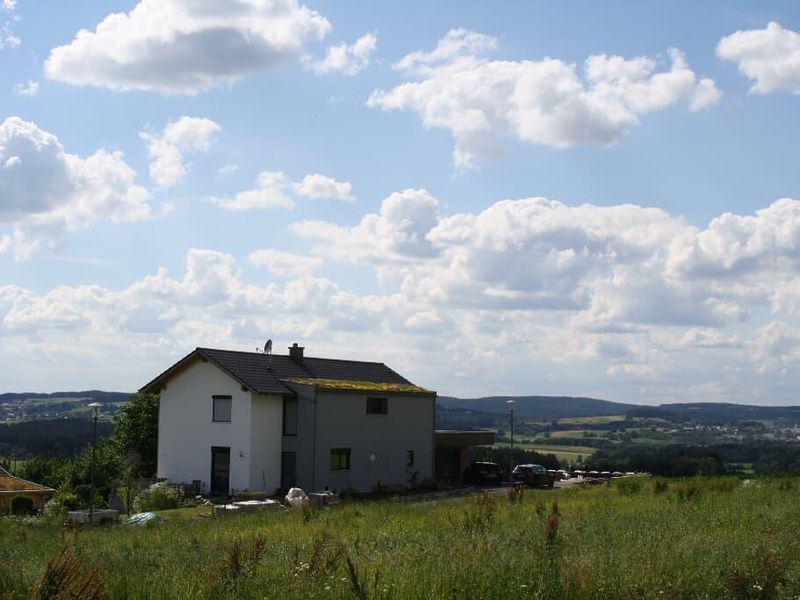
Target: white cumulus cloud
(397,233)
(320,186)
(595,299)
(7,37)
(270,192)
(166,151)
(275,190)
(285,264)
(347,59)
(186,46)
(545,101)
(770,57)
(46,192)
(31,88)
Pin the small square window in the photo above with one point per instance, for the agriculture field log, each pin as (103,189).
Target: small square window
(340,459)
(222,409)
(410,458)
(377,406)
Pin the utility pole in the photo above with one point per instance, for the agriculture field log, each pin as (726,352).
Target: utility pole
(95,406)
(511,451)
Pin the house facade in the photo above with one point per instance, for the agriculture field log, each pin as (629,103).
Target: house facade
(234,421)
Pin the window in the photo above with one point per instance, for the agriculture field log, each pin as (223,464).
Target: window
(340,459)
(222,409)
(377,406)
(409,458)
(290,416)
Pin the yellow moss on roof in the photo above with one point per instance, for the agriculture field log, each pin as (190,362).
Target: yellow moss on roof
(359,386)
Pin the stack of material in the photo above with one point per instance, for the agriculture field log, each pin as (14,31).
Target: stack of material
(326,498)
(246,506)
(98,515)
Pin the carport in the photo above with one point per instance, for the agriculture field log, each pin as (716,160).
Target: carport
(452,451)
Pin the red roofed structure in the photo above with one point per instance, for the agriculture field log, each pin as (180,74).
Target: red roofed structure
(11,486)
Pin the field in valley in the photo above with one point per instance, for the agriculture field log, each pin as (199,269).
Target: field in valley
(564,453)
(711,538)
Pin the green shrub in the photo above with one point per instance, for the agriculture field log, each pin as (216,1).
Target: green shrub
(22,505)
(724,484)
(687,491)
(60,504)
(159,496)
(660,485)
(629,485)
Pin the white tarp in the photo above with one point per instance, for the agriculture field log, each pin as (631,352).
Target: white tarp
(296,497)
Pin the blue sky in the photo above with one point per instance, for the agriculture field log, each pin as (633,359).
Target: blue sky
(559,198)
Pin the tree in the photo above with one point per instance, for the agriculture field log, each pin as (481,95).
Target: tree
(135,437)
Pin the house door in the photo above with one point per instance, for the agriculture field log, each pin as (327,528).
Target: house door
(288,470)
(220,470)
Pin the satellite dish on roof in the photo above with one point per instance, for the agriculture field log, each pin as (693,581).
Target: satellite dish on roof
(268,347)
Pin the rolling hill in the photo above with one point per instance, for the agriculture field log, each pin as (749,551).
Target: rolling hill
(538,407)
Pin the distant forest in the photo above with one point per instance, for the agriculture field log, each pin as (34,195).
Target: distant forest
(49,439)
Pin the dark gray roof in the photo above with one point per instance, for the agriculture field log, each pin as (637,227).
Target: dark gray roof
(251,370)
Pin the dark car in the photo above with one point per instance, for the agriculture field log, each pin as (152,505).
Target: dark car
(487,473)
(533,475)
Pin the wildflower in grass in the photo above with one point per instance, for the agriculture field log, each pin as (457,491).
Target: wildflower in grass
(551,530)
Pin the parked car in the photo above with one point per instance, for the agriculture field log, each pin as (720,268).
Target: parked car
(483,473)
(534,475)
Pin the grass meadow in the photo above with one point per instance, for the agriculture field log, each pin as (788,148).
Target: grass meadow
(638,538)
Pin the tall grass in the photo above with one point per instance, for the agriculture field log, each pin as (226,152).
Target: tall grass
(703,538)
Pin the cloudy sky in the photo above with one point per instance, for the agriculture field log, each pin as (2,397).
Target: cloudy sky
(523,198)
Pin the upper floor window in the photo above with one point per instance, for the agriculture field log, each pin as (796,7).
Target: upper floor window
(377,406)
(409,458)
(290,416)
(222,409)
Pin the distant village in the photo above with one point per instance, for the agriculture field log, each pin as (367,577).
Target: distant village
(21,411)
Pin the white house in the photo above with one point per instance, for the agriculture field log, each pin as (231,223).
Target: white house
(236,421)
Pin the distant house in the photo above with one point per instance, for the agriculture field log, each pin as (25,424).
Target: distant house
(235,421)
(11,486)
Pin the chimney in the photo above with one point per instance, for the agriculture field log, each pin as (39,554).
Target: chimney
(296,352)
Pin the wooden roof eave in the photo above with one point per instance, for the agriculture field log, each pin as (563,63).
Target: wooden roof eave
(156,384)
